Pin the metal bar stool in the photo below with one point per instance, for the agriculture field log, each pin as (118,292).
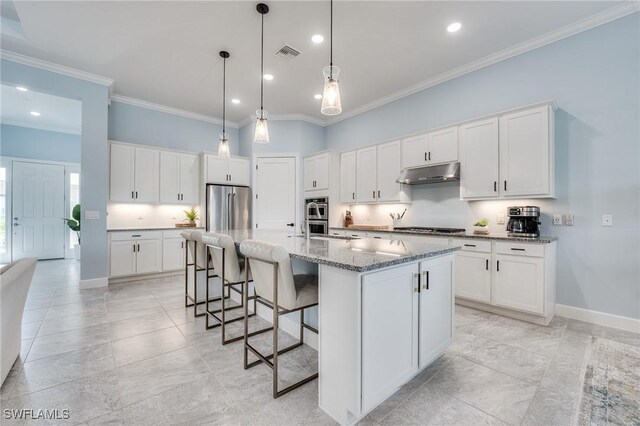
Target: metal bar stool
(275,284)
(193,240)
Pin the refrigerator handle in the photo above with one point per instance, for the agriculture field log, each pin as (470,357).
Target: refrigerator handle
(228,211)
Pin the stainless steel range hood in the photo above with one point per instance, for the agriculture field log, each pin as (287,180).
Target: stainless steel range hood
(430,174)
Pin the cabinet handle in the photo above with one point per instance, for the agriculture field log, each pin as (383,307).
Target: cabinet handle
(182,244)
(425,156)
(138,247)
(377,238)
(136,195)
(495,186)
(416,279)
(374,194)
(429,155)
(178,197)
(136,236)
(230,178)
(378,193)
(497,266)
(132,196)
(517,249)
(134,248)
(469,245)
(353,195)
(182,197)
(505,185)
(487,264)
(426,279)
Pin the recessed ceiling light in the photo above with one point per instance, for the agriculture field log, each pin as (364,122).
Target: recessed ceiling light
(235,101)
(452,28)
(317,38)
(268,77)
(317,96)
(22,88)
(35,113)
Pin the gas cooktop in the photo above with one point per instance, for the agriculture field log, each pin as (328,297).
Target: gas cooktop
(427,229)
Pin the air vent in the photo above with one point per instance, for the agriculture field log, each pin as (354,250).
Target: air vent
(287,52)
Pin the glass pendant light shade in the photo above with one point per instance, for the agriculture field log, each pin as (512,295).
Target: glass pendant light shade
(331,104)
(262,131)
(223,147)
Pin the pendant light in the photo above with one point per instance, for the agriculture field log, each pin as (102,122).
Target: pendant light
(262,131)
(223,147)
(331,104)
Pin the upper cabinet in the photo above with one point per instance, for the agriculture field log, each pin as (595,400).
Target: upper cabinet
(227,171)
(437,147)
(388,169)
(179,178)
(348,177)
(366,175)
(508,156)
(134,174)
(316,172)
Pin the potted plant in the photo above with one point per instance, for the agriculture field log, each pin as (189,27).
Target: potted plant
(191,216)
(481,227)
(74,224)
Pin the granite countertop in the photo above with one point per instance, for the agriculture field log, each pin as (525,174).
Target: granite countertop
(493,236)
(151,228)
(359,255)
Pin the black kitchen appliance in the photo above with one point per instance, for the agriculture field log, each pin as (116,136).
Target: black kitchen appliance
(524,221)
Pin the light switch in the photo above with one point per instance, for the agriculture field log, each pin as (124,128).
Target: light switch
(557,219)
(607,220)
(568,219)
(91,215)
(500,218)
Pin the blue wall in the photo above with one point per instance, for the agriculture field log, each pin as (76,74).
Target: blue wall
(595,78)
(133,124)
(36,144)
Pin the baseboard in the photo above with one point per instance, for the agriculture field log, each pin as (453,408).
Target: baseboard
(93,283)
(599,318)
(142,277)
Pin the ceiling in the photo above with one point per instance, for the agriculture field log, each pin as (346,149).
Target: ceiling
(167,52)
(56,113)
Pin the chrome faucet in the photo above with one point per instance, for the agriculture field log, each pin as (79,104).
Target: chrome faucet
(309,205)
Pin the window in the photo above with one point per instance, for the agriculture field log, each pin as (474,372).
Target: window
(74,198)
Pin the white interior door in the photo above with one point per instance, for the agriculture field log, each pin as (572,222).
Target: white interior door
(38,209)
(276,193)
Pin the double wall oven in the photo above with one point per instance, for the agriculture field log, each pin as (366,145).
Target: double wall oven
(318,217)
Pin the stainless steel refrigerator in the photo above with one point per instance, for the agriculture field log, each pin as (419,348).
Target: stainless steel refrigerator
(228,207)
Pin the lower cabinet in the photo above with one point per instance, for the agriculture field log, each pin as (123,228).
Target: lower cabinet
(473,276)
(172,254)
(519,283)
(123,258)
(148,256)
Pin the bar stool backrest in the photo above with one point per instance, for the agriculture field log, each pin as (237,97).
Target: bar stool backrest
(201,250)
(263,257)
(231,261)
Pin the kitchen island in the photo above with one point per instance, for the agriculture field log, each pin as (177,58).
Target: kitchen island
(385,313)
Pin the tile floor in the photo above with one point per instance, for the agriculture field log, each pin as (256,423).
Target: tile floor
(132,354)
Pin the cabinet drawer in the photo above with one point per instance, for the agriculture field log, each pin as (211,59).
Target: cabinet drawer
(359,234)
(379,235)
(133,235)
(473,245)
(520,249)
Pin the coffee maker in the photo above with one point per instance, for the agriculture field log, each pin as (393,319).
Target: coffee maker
(524,221)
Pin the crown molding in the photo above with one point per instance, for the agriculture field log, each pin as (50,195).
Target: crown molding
(588,23)
(170,110)
(59,69)
(19,123)
(287,117)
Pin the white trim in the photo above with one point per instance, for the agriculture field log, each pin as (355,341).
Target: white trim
(600,318)
(588,23)
(59,69)
(93,283)
(170,110)
(18,123)
(287,117)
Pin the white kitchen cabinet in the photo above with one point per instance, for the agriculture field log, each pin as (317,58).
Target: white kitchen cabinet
(436,308)
(179,178)
(437,147)
(527,153)
(348,177)
(148,256)
(389,165)
(479,159)
(366,175)
(121,175)
(414,151)
(135,252)
(227,171)
(391,343)
(122,258)
(147,174)
(473,276)
(519,283)
(172,254)
(316,172)
(239,171)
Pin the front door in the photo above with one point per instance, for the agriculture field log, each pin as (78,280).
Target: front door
(38,210)
(276,193)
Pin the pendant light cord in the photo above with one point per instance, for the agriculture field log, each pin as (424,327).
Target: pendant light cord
(262,68)
(331,44)
(224,95)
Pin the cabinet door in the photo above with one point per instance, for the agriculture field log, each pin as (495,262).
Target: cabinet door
(321,171)
(309,173)
(147,175)
(121,173)
(389,167)
(148,256)
(172,254)
(473,276)
(366,185)
(239,171)
(169,177)
(389,332)
(122,258)
(519,283)
(189,179)
(217,169)
(479,159)
(443,146)
(348,177)
(524,152)
(436,308)
(414,151)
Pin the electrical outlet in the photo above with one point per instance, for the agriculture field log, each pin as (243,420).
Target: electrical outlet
(91,215)
(500,218)
(557,219)
(607,220)
(568,219)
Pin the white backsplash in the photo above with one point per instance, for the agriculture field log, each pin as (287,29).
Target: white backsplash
(144,215)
